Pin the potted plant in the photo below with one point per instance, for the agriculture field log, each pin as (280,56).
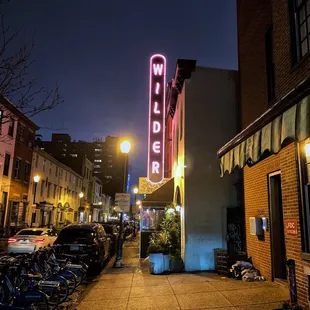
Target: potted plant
(173,221)
(155,252)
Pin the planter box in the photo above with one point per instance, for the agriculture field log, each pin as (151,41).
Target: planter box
(156,261)
(166,262)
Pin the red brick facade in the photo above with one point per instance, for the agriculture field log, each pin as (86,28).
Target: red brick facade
(254,18)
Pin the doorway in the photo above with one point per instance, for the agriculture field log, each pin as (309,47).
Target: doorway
(278,251)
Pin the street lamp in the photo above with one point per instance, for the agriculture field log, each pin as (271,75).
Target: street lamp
(81,195)
(125,149)
(135,191)
(36,180)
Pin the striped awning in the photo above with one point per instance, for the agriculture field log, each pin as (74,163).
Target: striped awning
(293,124)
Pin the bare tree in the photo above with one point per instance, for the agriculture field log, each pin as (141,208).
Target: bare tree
(15,83)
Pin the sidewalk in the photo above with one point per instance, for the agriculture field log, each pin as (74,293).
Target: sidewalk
(134,288)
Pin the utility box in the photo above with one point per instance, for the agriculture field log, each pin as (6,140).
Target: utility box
(256,226)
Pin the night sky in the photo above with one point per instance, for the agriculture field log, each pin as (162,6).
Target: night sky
(98,51)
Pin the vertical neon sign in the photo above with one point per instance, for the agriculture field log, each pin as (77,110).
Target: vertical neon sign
(155,170)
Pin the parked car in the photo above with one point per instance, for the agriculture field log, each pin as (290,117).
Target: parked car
(89,239)
(113,234)
(31,239)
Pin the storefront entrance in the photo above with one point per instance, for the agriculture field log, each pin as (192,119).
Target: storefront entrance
(278,251)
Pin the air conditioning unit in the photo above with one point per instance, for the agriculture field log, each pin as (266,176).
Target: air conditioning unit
(256,226)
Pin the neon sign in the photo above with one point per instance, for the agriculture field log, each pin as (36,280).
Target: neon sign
(155,171)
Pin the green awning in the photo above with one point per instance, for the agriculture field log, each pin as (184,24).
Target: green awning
(293,124)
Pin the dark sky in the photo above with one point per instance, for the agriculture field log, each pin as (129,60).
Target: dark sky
(99,51)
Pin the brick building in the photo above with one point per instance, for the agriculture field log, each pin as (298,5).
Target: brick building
(273,147)
(108,161)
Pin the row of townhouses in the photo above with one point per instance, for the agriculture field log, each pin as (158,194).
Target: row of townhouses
(38,190)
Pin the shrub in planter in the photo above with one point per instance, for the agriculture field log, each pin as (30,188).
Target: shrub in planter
(155,252)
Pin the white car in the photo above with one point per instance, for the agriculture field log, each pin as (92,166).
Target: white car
(31,239)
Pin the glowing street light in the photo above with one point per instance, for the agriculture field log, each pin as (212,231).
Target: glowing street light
(307,149)
(36,179)
(81,195)
(135,190)
(125,146)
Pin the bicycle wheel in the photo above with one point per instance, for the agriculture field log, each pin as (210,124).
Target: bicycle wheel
(53,297)
(71,278)
(63,287)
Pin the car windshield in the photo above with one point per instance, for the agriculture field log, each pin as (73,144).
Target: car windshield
(30,232)
(73,235)
(108,229)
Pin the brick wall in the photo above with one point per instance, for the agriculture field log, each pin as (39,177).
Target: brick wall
(254,18)
(256,200)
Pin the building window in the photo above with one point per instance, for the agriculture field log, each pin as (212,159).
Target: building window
(55,188)
(66,176)
(270,69)
(96,172)
(27,172)
(30,139)
(37,161)
(97,166)
(97,160)
(21,133)
(48,189)
(51,166)
(11,127)
(108,177)
(74,155)
(56,171)
(6,167)
(60,192)
(43,166)
(16,169)
(300,25)
(42,188)
(98,150)
(110,166)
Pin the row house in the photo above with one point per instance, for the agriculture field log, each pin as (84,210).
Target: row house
(17,134)
(56,192)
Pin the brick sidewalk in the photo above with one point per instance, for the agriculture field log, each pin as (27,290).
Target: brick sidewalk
(134,288)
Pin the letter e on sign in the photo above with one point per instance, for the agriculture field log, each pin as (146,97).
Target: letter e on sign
(157,92)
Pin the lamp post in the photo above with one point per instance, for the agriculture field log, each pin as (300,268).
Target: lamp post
(36,180)
(81,195)
(125,149)
(135,191)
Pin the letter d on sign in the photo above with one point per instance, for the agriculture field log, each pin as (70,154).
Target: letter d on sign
(156,127)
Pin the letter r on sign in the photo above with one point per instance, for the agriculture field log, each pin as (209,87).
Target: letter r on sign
(155,167)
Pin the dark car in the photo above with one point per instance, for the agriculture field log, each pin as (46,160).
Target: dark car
(89,239)
(113,234)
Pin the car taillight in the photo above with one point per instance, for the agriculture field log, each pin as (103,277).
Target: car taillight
(40,240)
(11,240)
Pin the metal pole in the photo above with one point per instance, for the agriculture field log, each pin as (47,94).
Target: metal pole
(119,260)
(119,256)
(134,217)
(34,201)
